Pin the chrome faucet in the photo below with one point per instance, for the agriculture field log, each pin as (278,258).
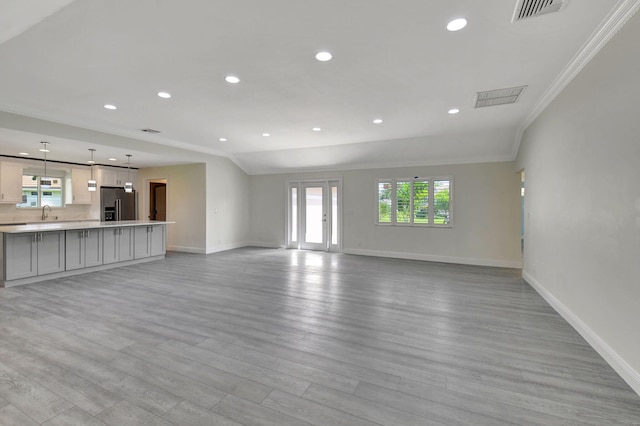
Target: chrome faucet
(45,215)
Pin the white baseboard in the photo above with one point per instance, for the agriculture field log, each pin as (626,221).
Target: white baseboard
(222,247)
(263,244)
(186,249)
(225,247)
(628,373)
(436,258)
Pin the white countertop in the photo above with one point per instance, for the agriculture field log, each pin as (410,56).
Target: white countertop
(64,226)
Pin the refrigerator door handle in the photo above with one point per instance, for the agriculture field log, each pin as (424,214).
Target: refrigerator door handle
(118,209)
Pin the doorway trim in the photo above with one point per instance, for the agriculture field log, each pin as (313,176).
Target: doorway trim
(144,202)
(297,222)
(154,212)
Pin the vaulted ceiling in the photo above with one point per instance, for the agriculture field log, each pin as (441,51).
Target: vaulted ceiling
(62,61)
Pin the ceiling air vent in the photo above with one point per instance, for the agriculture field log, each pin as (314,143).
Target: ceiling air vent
(498,97)
(150,130)
(531,8)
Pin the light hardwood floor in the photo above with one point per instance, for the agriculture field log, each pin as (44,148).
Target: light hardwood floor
(274,337)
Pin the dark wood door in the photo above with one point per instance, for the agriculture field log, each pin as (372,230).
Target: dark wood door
(161,202)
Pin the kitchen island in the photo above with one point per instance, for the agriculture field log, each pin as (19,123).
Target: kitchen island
(42,251)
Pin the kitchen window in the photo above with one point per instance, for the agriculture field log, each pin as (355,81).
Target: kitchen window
(38,191)
(415,201)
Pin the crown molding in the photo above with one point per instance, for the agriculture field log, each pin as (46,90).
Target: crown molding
(609,27)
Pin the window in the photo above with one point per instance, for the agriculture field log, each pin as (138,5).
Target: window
(417,201)
(36,194)
(384,201)
(441,202)
(421,201)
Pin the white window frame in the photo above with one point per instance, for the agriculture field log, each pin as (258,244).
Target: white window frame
(55,173)
(394,201)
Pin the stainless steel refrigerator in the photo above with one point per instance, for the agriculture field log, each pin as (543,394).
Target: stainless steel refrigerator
(116,204)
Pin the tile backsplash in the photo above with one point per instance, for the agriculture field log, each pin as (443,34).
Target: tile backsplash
(10,214)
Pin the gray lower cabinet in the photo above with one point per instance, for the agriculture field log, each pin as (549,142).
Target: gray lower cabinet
(118,245)
(149,241)
(83,248)
(31,254)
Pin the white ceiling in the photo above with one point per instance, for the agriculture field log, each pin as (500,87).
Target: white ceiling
(393,60)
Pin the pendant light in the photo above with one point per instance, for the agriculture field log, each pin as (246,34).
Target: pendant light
(128,186)
(45,181)
(92,185)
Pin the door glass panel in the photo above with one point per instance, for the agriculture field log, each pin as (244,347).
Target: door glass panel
(313,218)
(294,214)
(334,215)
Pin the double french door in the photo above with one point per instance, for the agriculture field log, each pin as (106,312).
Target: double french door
(314,212)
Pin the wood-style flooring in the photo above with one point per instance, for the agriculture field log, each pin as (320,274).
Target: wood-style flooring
(284,337)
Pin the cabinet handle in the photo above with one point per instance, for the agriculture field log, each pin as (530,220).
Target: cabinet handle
(115,231)
(40,236)
(120,231)
(87,233)
(80,234)
(33,238)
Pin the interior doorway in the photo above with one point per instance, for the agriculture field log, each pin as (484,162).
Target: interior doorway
(314,215)
(158,200)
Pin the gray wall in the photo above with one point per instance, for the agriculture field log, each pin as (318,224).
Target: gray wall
(582,209)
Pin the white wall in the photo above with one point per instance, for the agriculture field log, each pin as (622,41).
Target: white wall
(208,201)
(582,204)
(227,205)
(486,215)
(185,204)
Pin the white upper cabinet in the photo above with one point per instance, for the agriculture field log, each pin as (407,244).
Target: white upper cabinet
(108,177)
(80,193)
(116,177)
(10,182)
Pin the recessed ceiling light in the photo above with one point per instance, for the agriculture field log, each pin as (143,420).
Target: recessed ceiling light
(317,129)
(43,150)
(232,79)
(222,139)
(23,153)
(165,95)
(113,159)
(109,106)
(377,121)
(454,111)
(324,56)
(266,135)
(457,24)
